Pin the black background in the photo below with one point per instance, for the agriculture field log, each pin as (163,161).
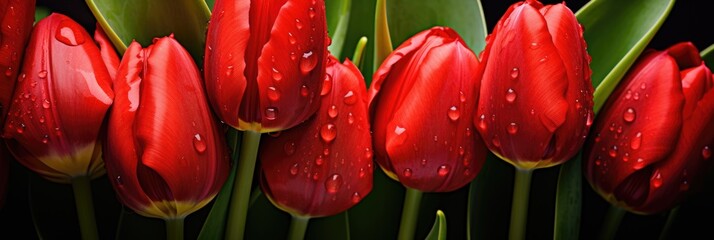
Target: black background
(689,21)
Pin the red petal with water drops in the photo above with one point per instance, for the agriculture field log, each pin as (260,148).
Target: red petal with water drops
(165,163)
(62,69)
(637,128)
(423,130)
(16,17)
(323,166)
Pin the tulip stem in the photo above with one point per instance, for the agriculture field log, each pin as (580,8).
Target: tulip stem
(298,227)
(174,229)
(410,214)
(240,198)
(359,51)
(668,225)
(85,207)
(519,204)
(612,220)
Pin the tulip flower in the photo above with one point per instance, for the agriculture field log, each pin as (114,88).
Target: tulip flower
(54,126)
(264,68)
(17,18)
(535,107)
(311,176)
(651,144)
(163,162)
(422,102)
(265,62)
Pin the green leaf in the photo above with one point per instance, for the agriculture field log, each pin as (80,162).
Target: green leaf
(338,21)
(214,225)
(616,33)
(210,3)
(142,20)
(409,17)
(568,201)
(708,56)
(41,12)
(438,231)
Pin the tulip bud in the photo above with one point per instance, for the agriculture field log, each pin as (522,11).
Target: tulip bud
(58,108)
(422,101)
(265,62)
(16,21)
(323,166)
(652,142)
(165,155)
(535,108)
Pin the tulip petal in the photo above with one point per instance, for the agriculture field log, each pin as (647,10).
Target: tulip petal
(696,81)
(109,55)
(16,16)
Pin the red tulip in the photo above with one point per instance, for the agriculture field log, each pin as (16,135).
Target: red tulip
(265,62)
(57,112)
(323,166)
(165,154)
(652,142)
(536,107)
(422,101)
(16,17)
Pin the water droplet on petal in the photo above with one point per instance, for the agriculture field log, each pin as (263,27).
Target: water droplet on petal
(350,118)
(453,113)
(350,98)
(512,128)
(42,74)
(293,56)
(514,73)
(496,142)
(198,143)
(706,152)
(407,172)
(308,62)
(311,12)
(319,160)
(534,45)
(291,38)
(328,132)
(482,122)
(643,86)
(356,197)
(589,119)
(628,94)
(639,164)
(401,134)
(304,91)
(636,141)
(8,72)
(68,34)
(443,170)
(298,24)
(326,85)
(46,104)
(657,179)
(332,111)
(273,94)
(294,169)
(119,181)
(271,113)
(368,153)
(361,173)
(613,151)
(510,95)
(333,183)
(289,148)
(462,97)
(629,115)
(229,71)
(277,76)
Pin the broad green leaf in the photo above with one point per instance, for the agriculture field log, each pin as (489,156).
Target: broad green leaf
(616,33)
(210,3)
(409,17)
(708,56)
(568,200)
(338,28)
(142,20)
(214,225)
(41,12)
(438,231)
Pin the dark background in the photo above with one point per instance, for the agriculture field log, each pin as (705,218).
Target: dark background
(689,21)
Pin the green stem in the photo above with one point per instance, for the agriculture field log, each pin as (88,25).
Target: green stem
(611,223)
(174,229)
(519,204)
(359,51)
(671,217)
(240,197)
(410,214)
(298,227)
(85,207)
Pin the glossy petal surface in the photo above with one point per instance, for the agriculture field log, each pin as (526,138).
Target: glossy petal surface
(16,17)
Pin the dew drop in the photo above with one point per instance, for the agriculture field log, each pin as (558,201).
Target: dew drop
(706,152)
(407,172)
(119,181)
(293,56)
(328,132)
(639,164)
(514,73)
(42,119)
(361,173)
(534,45)
(589,119)
(294,169)
(311,12)
(326,85)
(626,157)
(350,118)
(613,151)
(291,38)
(333,183)
(298,24)
(401,134)
(42,74)
(277,76)
(304,91)
(21,129)
(512,128)
(45,139)
(636,141)
(289,148)
(319,160)
(628,94)
(462,97)
(367,153)
(68,34)
(350,98)
(657,179)
(510,95)
(453,113)
(273,94)
(8,72)
(636,96)
(482,122)
(271,113)
(308,62)
(629,115)
(356,197)
(332,111)
(643,86)
(443,170)
(496,142)
(198,143)
(229,71)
